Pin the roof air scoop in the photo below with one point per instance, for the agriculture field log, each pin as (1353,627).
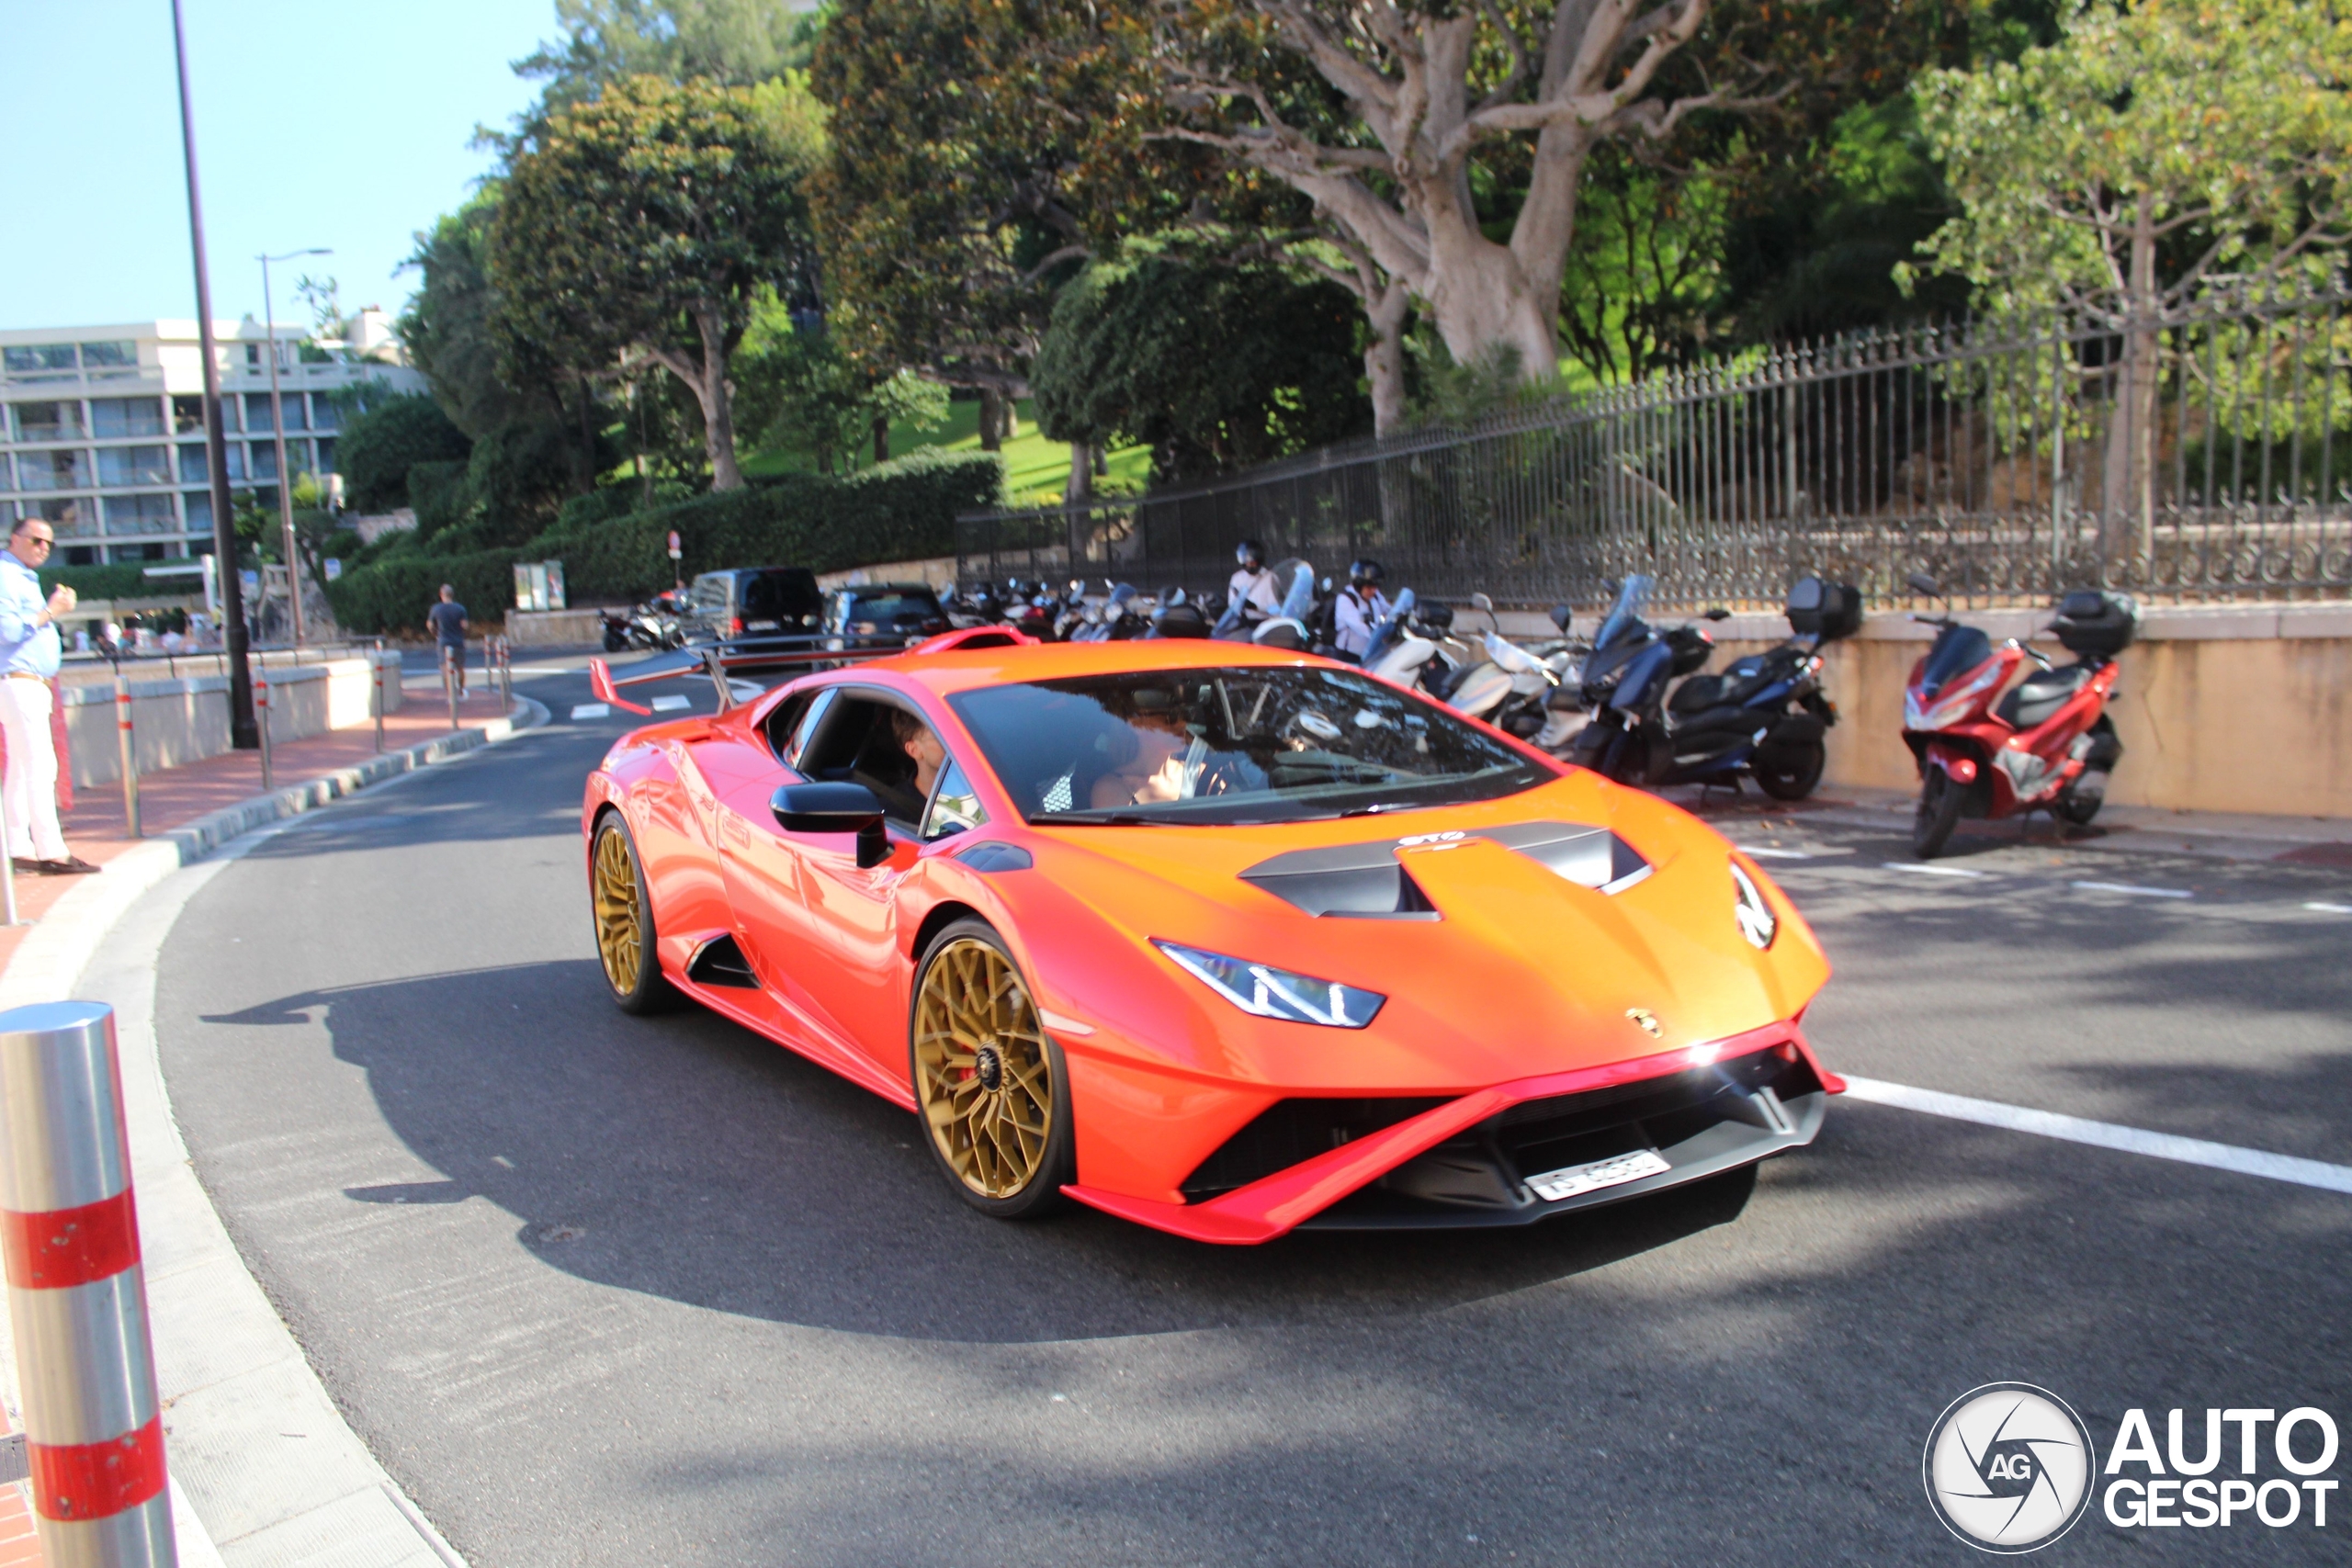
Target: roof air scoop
(1360,881)
(1366,882)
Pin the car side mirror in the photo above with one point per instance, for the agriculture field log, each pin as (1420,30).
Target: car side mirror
(1719,614)
(834,808)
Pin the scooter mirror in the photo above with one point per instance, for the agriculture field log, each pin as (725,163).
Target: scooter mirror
(1481,602)
(1920,582)
(1561,616)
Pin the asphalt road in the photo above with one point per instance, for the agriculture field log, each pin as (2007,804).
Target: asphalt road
(600,1290)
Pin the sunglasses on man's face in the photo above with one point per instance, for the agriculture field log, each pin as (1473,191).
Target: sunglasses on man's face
(42,541)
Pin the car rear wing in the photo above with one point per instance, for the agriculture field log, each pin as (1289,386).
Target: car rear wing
(715,662)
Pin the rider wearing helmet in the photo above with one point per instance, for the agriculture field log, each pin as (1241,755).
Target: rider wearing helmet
(1362,607)
(1253,592)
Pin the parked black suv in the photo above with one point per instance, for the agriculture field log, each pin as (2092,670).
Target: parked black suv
(883,612)
(754,601)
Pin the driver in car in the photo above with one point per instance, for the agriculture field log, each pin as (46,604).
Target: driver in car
(903,796)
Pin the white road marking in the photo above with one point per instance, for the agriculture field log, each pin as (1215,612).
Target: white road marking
(1929,870)
(2107,1134)
(671,703)
(2331,908)
(1762,853)
(2132,889)
(590,710)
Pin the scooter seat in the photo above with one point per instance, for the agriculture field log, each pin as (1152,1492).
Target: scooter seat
(2041,693)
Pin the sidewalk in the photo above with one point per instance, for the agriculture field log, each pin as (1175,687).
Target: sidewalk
(176,796)
(343,1508)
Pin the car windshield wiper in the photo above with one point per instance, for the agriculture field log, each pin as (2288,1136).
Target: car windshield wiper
(1101,818)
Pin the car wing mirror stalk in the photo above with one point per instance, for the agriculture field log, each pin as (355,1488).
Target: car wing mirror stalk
(834,808)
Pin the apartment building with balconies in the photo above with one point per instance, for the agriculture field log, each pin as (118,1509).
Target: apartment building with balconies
(102,428)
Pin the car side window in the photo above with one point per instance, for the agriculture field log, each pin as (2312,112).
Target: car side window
(870,739)
(783,723)
(794,753)
(954,805)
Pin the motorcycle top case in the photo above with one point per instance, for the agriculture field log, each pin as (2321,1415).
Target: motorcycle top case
(2093,621)
(1825,609)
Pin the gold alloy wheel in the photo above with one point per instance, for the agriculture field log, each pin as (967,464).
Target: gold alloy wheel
(620,938)
(982,1070)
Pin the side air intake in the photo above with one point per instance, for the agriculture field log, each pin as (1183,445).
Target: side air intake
(719,962)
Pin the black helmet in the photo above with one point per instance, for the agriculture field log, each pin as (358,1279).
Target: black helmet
(1365,574)
(1251,554)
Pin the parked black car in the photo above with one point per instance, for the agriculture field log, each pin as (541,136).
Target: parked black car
(754,601)
(883,612)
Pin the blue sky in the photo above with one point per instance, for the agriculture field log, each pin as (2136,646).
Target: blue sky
(344,124)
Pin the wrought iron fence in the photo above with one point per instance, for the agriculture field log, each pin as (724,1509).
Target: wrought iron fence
(2200,456)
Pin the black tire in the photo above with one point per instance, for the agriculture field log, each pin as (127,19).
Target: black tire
(621,914)
(616,641)
(955,1139)
(2075,809)
(1941,804)
(1787,782)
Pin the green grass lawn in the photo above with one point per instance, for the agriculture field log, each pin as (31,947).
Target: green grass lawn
(1036,471)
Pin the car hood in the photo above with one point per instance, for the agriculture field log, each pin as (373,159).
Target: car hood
(1568,926)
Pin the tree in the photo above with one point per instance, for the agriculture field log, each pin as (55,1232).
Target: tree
(797,390)
(736,43)
(1214,368)
(376,448)
(643,226)
(1424,90)
(2148,154)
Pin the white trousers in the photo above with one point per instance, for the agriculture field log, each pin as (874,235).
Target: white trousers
(30,793)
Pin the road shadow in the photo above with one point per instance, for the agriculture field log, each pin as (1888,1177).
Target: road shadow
(686,1157)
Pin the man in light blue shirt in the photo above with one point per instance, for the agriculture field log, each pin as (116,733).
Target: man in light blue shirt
(29,652)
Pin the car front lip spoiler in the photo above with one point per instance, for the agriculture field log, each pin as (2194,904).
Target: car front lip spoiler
(1276,1204)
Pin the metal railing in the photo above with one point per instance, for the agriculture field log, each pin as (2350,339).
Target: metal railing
(2199,456)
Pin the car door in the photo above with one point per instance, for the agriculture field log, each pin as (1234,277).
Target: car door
(848,958)
(763,865)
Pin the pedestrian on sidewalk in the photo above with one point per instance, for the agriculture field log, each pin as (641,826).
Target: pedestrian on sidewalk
(447,620)
(30,651)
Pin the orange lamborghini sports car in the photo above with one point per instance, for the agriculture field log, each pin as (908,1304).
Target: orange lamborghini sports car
(1220,939)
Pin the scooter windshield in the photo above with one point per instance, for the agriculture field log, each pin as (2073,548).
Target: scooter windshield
(1626,613)
(1957,650)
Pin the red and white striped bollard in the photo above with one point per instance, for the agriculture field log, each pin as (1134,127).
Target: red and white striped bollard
(77,1298)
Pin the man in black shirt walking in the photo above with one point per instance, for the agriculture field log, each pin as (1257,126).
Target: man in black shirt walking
(447,620)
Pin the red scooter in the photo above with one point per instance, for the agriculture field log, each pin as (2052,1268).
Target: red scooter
(1988,748)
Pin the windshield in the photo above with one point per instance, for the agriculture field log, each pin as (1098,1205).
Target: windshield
(1231,746)
(1627,612)
(1957,650)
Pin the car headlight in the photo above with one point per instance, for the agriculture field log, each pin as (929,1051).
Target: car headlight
(1268,992)
(1754,918)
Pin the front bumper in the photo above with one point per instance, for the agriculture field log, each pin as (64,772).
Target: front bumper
(1466,1163)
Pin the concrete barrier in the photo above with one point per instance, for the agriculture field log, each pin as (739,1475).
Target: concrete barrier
(556,628)
(2237,708)
(184,720)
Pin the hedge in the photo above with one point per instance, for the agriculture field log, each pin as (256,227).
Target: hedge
(397,591)
(897,511)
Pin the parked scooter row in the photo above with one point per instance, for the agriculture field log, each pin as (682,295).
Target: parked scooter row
(653,624)
(1764,717)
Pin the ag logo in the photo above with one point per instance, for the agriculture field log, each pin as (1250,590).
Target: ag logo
(2009,1467)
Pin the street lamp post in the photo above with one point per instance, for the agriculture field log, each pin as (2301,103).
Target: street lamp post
(242,733)
(277,426)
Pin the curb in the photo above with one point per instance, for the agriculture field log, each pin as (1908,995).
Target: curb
(229,1368)
(60,945)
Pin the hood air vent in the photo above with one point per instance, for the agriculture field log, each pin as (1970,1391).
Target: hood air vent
(1366,882)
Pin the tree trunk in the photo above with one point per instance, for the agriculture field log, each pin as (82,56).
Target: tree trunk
(1384,357)
(881,438)
(2127,500)
(991,419)
(1081,474)
(717,414)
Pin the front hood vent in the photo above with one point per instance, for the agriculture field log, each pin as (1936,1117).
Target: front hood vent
(1366,881)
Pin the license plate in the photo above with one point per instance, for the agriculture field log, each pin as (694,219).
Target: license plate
(759,626)
(1594,1174)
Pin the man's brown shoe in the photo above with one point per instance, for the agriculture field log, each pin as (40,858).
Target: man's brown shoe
(72,865)
(25,867)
